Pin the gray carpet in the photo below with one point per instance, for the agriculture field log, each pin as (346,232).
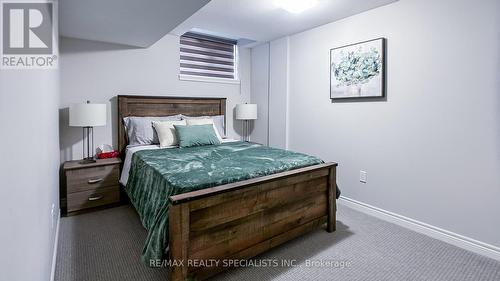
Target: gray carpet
(106,245)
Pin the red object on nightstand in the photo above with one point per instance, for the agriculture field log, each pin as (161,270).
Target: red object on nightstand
(105,155)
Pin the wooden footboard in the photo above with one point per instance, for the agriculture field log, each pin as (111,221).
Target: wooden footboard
(241,220)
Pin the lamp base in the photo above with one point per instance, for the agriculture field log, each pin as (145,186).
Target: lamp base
(87,157)
(87,161)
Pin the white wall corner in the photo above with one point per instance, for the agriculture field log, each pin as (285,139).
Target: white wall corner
(287,108)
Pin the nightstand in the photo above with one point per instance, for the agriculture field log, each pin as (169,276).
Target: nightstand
(90,185)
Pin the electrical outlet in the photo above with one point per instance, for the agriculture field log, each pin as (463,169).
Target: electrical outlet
(52,215)
(362,176)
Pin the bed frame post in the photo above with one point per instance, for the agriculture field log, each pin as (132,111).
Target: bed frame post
(332,208)
(179,239)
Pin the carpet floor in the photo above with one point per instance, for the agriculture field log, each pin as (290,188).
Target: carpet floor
(106,245)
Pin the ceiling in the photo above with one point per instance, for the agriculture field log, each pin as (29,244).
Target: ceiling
(136,23)
(262,20)
(141,23)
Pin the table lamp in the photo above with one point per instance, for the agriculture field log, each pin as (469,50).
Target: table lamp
(246,112)
(87,115)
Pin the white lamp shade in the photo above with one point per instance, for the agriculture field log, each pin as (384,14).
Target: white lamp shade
(87,115)
(246,111)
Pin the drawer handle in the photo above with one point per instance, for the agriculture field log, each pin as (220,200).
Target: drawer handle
(92,181)
(95,198)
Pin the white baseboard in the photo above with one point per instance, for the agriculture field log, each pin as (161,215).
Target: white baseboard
(452,238)
(56,243)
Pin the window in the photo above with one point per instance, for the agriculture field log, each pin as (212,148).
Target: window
(206,56)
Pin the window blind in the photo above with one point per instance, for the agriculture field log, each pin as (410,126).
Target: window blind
(207,56)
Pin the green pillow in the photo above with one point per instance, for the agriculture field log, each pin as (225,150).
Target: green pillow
(196,135)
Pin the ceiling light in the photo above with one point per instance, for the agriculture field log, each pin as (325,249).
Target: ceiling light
(295,6)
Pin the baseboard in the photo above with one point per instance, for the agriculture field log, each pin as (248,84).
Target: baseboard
(56,243)
(452,238)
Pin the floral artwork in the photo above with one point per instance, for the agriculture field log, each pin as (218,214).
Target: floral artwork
(357,70)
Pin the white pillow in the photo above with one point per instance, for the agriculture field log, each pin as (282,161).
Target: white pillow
(218,121)
(140,130)
(204,121)
(166,132)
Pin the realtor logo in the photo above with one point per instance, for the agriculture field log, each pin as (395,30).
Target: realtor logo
(27,35)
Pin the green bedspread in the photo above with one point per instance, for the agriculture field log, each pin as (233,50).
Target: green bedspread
(157,174)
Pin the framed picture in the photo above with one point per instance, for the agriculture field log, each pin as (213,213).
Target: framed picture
(358,70)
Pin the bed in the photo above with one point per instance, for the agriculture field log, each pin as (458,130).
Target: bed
(236,213)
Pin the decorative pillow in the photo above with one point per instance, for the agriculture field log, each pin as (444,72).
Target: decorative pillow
(140,130)
(196,135)
(166,132)
(218,122)
(204,121)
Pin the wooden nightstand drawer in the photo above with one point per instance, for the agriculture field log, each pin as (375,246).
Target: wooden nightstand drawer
(88,185)
(92,178)
(93,198)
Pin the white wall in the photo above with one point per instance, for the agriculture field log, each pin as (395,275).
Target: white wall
(29,172)
(432,150)
(278,93)
(269,82)
(99,71)
(260,92)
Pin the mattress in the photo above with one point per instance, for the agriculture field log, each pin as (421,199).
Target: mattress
(133,149)
(156,174)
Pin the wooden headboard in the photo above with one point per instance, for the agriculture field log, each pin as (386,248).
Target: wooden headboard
(164,106)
